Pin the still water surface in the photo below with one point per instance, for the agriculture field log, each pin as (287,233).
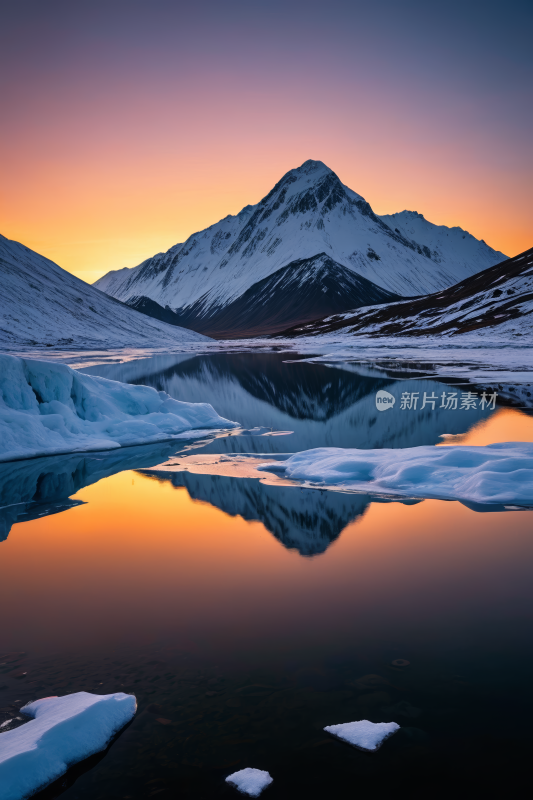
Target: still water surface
(246,616)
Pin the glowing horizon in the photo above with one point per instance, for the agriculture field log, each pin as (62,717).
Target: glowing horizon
(129,128)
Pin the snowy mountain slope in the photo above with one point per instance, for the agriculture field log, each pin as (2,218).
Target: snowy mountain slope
(308,212)
(294,294)
(451,244)
(499,297)
(42,304)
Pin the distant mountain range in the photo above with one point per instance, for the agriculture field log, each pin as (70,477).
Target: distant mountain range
(44,305)
(501,296)
(312,247)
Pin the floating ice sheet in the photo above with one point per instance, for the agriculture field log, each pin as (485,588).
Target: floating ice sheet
(363,734)
(250,781)
(64,730)
(496,473)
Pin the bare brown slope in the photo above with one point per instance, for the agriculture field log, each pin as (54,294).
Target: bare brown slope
(483,300)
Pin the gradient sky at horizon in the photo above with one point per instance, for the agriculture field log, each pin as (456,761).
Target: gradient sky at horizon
(127,125)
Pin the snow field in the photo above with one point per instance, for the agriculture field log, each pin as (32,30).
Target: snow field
(64,730)
(48,408)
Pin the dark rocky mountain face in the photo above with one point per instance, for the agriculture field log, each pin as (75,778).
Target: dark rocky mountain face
(501,295)
(152,309)
(293,295)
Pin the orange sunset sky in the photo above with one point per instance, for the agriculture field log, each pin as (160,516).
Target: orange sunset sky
(127,126)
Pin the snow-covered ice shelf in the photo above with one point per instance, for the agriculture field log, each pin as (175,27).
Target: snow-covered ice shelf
(64,730)
(48,408)
(363,734)
(250,781)
(496,473)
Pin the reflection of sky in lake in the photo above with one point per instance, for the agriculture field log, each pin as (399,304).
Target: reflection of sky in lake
(110,553)
(318,405)
(141,560)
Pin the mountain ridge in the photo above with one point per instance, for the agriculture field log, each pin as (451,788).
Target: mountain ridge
(498,297)
(308,212)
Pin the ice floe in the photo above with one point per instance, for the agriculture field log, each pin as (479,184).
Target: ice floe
(64,730)
(48,408)
(363,734)
(250,781)
(496,473)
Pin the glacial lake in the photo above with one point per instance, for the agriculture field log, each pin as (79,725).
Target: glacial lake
(247,615)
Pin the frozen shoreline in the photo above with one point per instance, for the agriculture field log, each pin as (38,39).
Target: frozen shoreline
(489,359)
(48,408)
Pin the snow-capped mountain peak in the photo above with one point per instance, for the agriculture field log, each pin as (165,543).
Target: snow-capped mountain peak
(308,212)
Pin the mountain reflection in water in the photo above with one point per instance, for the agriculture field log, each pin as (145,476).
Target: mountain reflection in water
(305,520)
(323,406)
(173,580)
(38,487)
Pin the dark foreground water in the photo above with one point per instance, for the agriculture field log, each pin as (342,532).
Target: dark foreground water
(245,617)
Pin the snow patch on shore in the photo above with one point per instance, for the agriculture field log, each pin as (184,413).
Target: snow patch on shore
(64,731)
(496,473)
(48,408)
